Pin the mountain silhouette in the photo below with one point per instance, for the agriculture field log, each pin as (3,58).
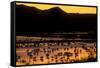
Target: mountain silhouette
(30,20)
(55,10)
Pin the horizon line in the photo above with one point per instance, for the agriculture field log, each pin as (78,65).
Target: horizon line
(67,9)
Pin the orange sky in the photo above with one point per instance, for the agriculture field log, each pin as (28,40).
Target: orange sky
(68,9)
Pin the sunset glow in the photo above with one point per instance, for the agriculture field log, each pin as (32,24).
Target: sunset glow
(52,34)
(68,9)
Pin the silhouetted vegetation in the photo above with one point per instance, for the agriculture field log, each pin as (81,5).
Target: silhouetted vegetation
(31,20)
(36,42)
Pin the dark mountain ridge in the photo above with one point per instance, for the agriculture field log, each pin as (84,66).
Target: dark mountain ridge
(30,20)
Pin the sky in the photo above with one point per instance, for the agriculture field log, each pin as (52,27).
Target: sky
(68,9)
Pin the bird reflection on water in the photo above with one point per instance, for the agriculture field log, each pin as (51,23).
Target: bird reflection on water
(48,52)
